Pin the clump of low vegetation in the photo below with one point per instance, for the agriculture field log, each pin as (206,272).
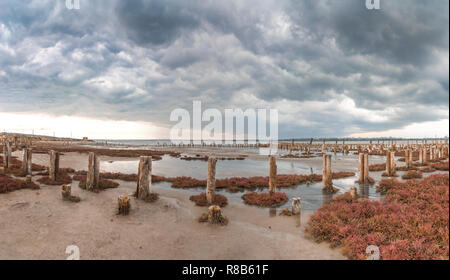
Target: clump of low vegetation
(265,199)
(412,174)
(405,168)
(61,179)
(386,184)
(200,200)
(340,175)
(156,155)
(152,197)
(411,224)
(236,184)
(377,167)
(385,174)
(441,166)
(8,184)
(427,170)
(197,157)
(120,176)
(286,212)
(103,184)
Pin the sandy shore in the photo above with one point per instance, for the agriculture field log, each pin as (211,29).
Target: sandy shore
(40,225)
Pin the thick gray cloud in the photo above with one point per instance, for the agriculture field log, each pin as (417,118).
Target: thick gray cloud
(334,64)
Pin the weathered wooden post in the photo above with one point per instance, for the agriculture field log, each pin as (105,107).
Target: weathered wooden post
(393,168)
(144,178)
(27,161)
(9,151)
(424,156)
(366,168)
(436,154)
(361,168)
(273,175)
(296,206)
(329,172)
(353,192)
(93,175)
(421,155)
(5,154)
(388,163)
(327,175)
(324,171)
(407,155)
(410,158)
(124,205)
(54,165)
(211,182)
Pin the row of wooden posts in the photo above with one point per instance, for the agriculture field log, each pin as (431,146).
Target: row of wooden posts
(144,172)
(143,189)
(308,146)
(26,160)
(441,146)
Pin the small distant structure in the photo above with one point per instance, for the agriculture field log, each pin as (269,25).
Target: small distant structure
(85,139)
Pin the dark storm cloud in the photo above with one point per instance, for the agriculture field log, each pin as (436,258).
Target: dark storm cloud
(155,22)
(138,60)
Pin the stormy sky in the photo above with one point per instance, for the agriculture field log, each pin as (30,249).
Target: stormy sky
(117,69)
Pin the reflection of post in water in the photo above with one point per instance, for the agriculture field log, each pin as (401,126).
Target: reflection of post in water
(297,210)
(364,190)
(272,212)
(326,198)
(298,220)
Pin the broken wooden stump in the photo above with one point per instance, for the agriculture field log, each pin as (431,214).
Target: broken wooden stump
(53,168)
(327,175)
(66,191)
(28,179)
(424,156)
(27,161)
(144,182)
(144,177)
(7,154)
(353,192)
(93,174)
(211,182)
(296,206)
(273,175)
(393,166)
(124,205)
(214,216)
